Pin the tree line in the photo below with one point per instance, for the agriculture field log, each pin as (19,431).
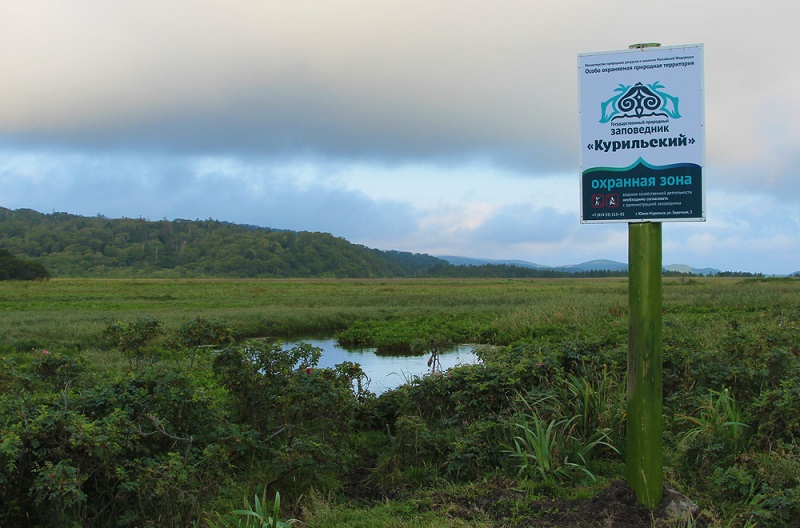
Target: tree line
(16,268)
(76,246)
(39,245)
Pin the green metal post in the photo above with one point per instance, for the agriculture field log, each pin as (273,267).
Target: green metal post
(645,450)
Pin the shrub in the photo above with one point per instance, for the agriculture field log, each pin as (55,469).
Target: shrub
(133,338)
(304,416)
(200,332)
(57,368)
(16,268)
(777,413)
(146,448)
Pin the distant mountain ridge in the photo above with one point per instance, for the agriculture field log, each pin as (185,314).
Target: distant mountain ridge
(683,268)
(592,265)
(467,261)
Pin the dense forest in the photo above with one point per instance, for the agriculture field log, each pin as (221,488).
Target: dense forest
(66,245)
(69,245)
(15,268)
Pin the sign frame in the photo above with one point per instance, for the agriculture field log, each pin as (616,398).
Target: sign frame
(642,117)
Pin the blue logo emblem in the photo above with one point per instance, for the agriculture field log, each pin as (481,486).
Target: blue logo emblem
(640,101)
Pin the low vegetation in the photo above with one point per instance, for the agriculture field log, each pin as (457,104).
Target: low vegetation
(174,403)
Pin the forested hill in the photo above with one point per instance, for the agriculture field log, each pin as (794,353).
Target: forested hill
(78,246)
(68,245)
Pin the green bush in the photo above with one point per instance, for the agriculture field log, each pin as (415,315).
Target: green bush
(304,416)
(147,447)
(134,338)
(16,268)
(200,333)
(777,413)
(761,488)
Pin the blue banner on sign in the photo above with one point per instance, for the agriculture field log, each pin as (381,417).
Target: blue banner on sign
(643,192)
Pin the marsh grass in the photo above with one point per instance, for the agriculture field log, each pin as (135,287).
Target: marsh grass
(565,339)
(405,513)
(72,312)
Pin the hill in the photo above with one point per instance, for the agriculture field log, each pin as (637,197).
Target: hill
(76,246)
(600,264)
(584,267)
(68,245)
(683,268)
(467,261)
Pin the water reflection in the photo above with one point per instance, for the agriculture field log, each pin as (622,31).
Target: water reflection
(386,372)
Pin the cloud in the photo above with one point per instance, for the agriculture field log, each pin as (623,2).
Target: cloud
(354,80)
(172,188)
(361,80)
(524,223)
(447,127)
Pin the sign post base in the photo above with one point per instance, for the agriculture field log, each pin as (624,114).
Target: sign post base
(645,451)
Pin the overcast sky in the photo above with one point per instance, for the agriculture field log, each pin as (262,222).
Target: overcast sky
(440,127)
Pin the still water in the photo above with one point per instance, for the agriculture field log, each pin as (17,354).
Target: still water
(386,372)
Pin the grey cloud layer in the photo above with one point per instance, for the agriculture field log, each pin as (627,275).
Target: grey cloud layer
(351,79)
(126,186)
(389,80)
(108,106)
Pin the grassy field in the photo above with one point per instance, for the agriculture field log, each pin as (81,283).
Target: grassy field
(67,312)
(423,455)
(70,312)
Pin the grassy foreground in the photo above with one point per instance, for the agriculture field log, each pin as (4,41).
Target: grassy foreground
(69,312)
(179,438)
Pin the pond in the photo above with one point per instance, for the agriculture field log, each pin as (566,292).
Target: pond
(386,372)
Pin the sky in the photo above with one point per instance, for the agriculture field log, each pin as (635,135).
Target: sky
(447,127)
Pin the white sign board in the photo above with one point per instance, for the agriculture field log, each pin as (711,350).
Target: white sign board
(642,135)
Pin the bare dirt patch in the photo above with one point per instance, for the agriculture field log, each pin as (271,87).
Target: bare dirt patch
(615,507)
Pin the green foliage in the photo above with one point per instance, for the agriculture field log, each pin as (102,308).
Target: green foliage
(133,338)
(410,512)
(716,433)
(146,447)
(255,516)
(77,246)
(549,450)
(761,489)
(200,332)
(60,369)
(305,416)
(416,335)
(85,441)
(777,413)
(58,488)
(537,451)
(475,448)
(15,268)
(456,421)
(596,398)
(72,312)
(515,272)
